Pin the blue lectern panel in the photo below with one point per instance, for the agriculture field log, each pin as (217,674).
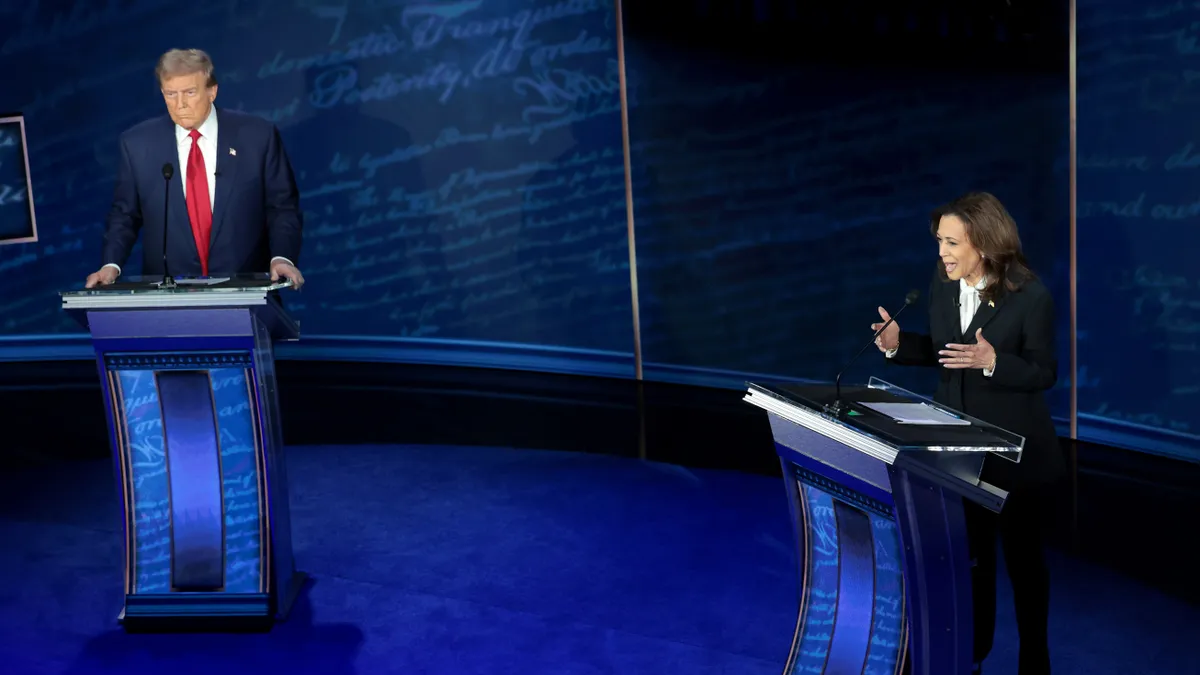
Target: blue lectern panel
(242,478)
(852,617)
(889,635)
(145,469)
(197,500)
(193,456)
(819,593)
(856,591)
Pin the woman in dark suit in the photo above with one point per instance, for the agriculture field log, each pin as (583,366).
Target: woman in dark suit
(991,332)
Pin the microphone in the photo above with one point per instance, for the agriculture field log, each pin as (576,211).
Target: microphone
(837,405)
(168,171)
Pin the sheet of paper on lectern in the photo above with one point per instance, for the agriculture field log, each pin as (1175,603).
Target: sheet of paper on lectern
(916,413)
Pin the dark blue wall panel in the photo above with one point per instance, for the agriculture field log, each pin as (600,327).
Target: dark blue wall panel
(460,162)
(1139,225)
(462,176)
(778,207)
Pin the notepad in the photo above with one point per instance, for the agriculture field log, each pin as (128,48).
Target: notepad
(201,281)
(916,413)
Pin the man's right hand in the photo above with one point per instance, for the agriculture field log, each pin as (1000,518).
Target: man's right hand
(102,277)
(890,338)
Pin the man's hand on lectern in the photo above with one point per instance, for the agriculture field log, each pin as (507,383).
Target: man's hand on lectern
(102,277)
(286,270)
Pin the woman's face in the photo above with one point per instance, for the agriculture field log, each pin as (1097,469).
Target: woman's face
(960,258)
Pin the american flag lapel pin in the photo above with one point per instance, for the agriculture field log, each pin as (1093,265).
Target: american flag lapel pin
(233,152)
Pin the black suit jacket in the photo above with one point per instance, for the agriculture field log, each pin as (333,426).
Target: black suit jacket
(1020,326)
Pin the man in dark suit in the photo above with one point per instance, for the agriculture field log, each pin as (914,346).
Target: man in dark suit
(991,332)
(234,206)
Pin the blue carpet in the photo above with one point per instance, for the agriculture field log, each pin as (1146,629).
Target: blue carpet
(485,560)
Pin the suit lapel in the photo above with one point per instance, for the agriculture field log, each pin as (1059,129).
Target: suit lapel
(983,315)
(226,170)
(177,217)
(950,308)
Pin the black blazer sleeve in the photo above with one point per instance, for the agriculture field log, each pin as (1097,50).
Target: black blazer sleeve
(1035,367)
(915,349)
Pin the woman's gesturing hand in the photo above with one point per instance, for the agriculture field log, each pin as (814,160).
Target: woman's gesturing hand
(979,355)
(890,338)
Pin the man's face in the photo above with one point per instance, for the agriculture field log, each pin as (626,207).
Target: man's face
(188,98)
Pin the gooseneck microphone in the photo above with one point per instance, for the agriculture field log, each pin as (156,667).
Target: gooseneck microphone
(837,406)
(168,171)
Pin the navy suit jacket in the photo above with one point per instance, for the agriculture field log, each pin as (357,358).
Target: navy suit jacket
(256,207)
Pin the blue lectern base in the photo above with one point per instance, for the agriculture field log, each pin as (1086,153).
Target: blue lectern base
(208,612)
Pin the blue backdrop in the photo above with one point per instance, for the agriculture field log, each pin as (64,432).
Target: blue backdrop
(776,208)
(461,168)
(460,163)
(1139,208)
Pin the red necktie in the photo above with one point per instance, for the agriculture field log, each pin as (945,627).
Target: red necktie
(198,206)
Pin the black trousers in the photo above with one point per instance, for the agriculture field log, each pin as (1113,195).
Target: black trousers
(1019,527)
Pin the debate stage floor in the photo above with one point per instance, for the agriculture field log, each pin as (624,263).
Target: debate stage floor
(437,559)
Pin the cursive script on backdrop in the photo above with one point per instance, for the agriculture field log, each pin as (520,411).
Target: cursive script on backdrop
(1139,221)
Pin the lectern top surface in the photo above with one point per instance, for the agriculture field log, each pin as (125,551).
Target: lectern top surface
(977,435)
(153,285)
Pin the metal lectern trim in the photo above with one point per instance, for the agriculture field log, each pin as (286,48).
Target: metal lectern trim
(165,300)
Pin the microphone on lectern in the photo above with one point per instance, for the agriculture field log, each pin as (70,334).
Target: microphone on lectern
(168,172)
(837,406)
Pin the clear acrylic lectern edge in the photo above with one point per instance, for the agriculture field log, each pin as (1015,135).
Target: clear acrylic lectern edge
(815,417)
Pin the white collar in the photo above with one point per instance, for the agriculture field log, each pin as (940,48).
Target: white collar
(979,286)
(208,129)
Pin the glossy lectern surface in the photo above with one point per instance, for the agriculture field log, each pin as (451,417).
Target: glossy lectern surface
(877,507)
(188,378)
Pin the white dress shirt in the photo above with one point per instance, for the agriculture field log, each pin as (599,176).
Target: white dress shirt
(968,304)
(208,149)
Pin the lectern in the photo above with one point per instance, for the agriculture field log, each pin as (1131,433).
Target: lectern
(188,378)
(876,480)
